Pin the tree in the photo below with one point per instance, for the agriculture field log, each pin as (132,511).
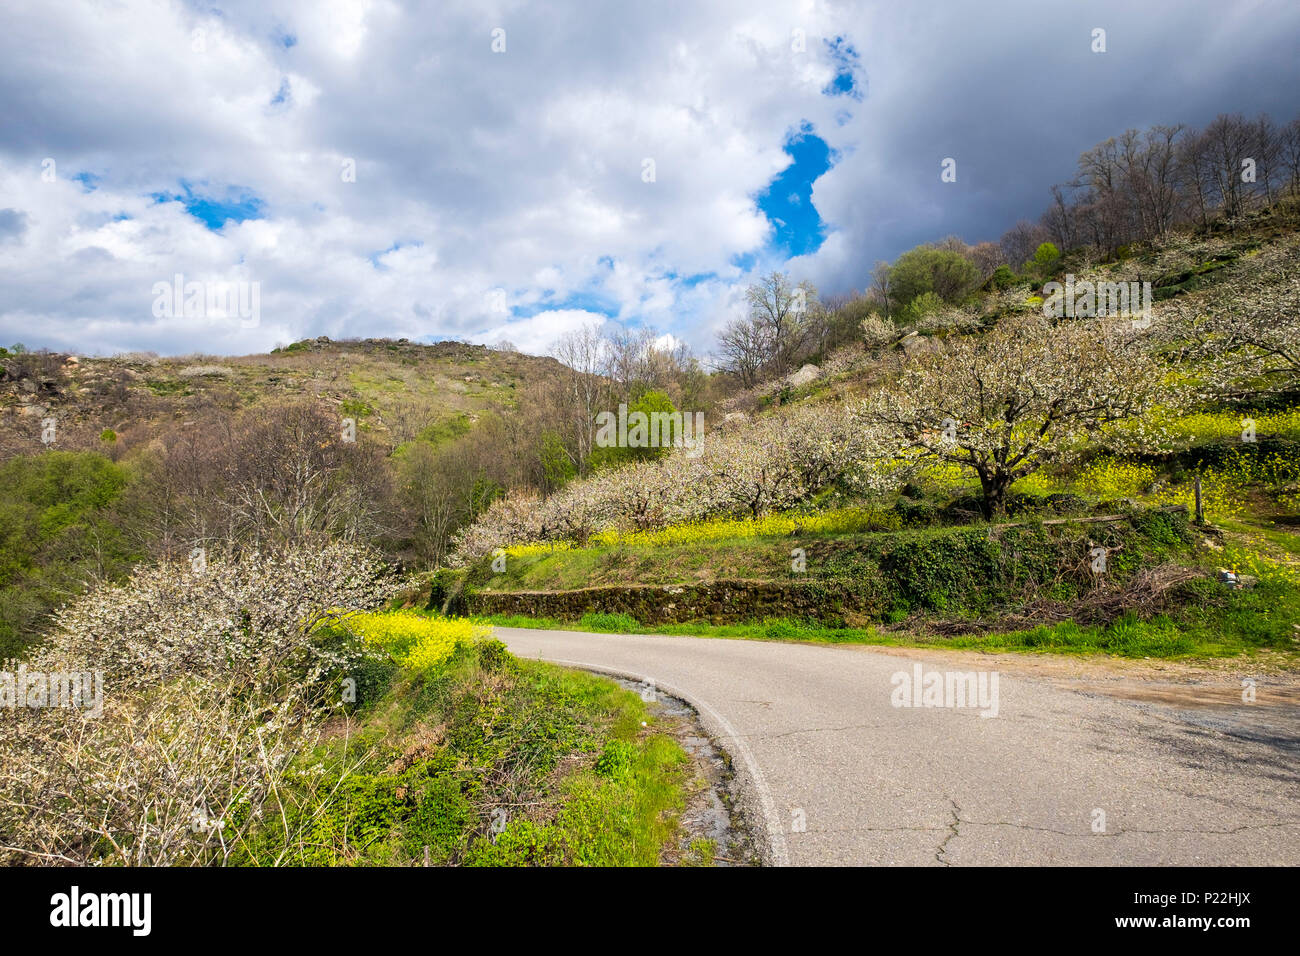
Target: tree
(431,498)
(1228,141)
(743,350)
(585,356)
(779,309)
(1045,257)
(882,287)
(1020,241)
(1246,330)
(1154,179)
(948,274)
(987,257)
(1289,153)
(1027,393)
(649,404)
(291,475)
(924,305)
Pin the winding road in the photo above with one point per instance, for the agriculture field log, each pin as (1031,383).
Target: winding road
(833,769)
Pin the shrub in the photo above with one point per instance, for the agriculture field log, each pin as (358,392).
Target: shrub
(212,675)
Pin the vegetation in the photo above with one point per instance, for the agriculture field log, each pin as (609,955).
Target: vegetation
(60,526)
(480,760)
(1210,621)
(947,459)
(262,710)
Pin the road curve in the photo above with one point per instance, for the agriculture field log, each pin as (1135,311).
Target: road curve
(833,772)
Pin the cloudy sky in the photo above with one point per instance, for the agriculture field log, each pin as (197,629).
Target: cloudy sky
(508,170)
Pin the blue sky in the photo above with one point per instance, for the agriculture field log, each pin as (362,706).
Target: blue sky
(233,205)
(391,169)
(787,201)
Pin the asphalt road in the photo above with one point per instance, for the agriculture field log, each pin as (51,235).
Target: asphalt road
(830,771)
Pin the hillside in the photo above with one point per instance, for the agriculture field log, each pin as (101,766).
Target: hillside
(112,461)
(397,391)
(833,504)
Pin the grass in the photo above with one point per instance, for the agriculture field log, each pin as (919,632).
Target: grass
(477,758)
(1209,621)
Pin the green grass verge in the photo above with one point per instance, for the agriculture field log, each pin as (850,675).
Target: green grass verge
(1209,621)
(485,760)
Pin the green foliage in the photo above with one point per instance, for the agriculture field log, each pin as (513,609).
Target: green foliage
(558,468)
(108,436)
(355,408)
(620,816)
(649,403)
(610,623)
(616,759)
(394,785)
(947,274)
(58,529)
(446,430)
(1046,254)
(925,304)
(1004,277)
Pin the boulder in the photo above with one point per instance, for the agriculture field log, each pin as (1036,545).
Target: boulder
(809,373)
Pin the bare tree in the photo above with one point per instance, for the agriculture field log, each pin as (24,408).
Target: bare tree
(585,355)
(1228,142)
(1289,153)
(881,286)
(743,350)
(780,308)
(1020,241)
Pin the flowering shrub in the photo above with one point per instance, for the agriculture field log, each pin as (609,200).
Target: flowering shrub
(1244,329)
(212,680)
(413,639)
(775,463)
(250,614)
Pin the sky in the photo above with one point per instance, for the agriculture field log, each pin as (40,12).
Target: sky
(226,177)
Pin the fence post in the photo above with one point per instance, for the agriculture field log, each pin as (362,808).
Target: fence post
(1200,505)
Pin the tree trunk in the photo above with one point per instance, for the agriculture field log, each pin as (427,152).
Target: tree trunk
(995,494)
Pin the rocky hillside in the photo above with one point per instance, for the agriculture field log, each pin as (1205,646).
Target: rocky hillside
(395,390)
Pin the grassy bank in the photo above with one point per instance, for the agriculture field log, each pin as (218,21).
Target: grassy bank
(457,753)
(1207,620)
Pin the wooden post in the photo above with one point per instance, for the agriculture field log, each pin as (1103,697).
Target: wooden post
(1200,505)
(426,856)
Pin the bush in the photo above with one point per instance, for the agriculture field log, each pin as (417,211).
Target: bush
(214,672)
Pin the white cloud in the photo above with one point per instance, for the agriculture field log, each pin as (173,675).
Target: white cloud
(519,172)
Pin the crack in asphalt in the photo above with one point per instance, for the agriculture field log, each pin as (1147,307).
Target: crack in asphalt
(952,832)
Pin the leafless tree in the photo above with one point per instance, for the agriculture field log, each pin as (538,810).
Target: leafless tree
(780,308)
(743,350)
(1020,241)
